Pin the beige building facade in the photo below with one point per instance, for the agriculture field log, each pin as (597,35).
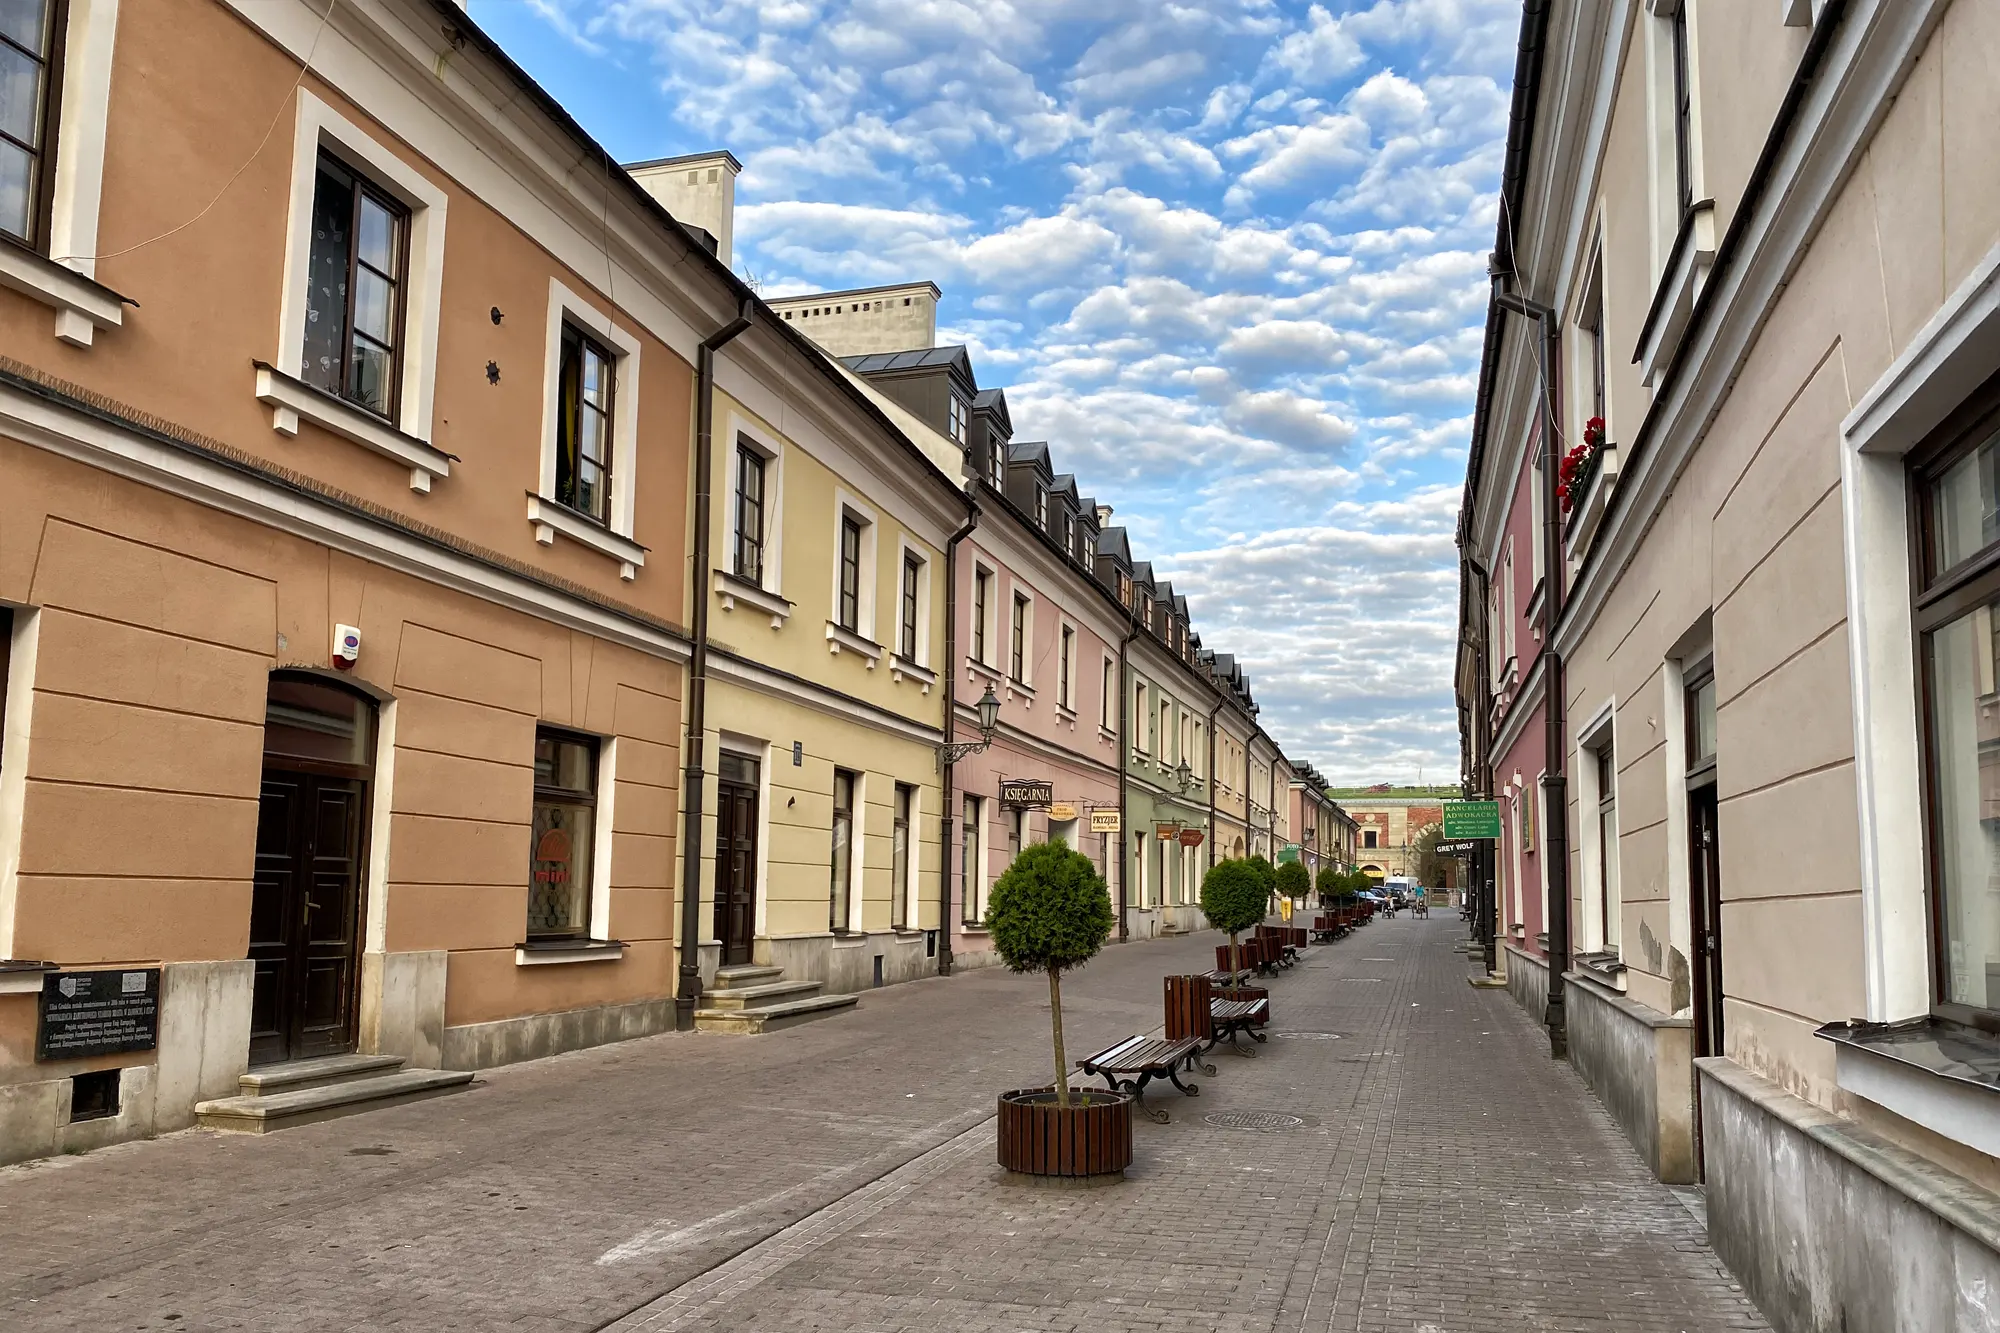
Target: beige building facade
(1766,240)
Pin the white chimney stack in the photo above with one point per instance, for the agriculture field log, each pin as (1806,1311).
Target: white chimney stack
(699,189)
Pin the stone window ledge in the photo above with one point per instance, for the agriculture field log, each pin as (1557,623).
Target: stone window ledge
(1935,1073)
(543,953)
(82,305)
(901,668)
(22,977)
(733,590)
(550,517)
(292,400)
(976,670)
(1673,300)
(839,637)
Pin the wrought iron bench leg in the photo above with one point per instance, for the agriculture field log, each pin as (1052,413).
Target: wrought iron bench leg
(1194,1060)
(1174,1076)
(1158,1117)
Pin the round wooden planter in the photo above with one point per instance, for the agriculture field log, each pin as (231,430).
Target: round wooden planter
(1090,1137)
(1246,993)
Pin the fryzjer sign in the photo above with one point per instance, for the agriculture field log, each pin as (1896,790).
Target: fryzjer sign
(1022,794)
(1471,819)
(98,1013)
(1104,821)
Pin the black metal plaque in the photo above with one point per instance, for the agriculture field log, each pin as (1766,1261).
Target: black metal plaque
(1024,794)
(98,1013)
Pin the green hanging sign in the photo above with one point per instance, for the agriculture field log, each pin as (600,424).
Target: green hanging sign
(1471,819)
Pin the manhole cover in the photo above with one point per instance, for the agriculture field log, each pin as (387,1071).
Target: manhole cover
(1309,1036)
(1264,1120)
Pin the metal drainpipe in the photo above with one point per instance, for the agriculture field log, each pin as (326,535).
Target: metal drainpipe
(1124,771)
(950,729)
(693,776)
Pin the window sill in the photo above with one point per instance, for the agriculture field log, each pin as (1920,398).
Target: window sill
(1066,715)
(838,638)
(292,400)
(733,590)
(1929,1071)
(1106,734)
(976,671)
(21,977)
(1022,690)
(548,953)
(1673,300)
(1585,516)
(82,305)
(973,930)
(849,939)
(549,518)
(902,668)
(1604,967)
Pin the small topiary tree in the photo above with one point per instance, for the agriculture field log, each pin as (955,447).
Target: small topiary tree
(1234,896)
(1050,912)
(1293,881)
(1331,883)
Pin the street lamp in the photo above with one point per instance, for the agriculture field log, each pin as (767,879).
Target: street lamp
(1183,775)
(989,717)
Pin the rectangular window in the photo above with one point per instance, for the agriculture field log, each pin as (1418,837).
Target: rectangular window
(1041,509)
(1017,834)
(1166,730)
(1683,114)
(907,638)
(899,859)
(1141,713)
(996,462)
(843,852)
(356,273)
(1068,656)
(1368,839)
(848,614)
(749,514)
(971,873)
(1701,719)
(583,424)
(955,420)
(1146,612)
(1104,698)
(1593,326)
(982,599)
(1958,502)
(1607,848)
(1017,652)
(565,818)
(31,34)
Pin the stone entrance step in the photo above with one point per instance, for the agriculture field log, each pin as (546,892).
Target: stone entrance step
(750,998)
(303,1092)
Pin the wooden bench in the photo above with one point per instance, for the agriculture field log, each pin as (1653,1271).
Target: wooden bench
(1195,1011)
(1137,1061)
(1277,945)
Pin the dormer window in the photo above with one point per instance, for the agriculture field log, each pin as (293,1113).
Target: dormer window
(955,420)
(1146,613)
(1041,508)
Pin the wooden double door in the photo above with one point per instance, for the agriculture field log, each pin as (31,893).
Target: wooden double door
(307,891)
(736,820)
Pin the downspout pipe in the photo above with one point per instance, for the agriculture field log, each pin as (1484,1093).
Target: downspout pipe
(693,776)
(950,729)
(1219,701)
(1125,740)
(1555,798)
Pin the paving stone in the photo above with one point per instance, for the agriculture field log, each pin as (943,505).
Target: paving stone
(1449,1178)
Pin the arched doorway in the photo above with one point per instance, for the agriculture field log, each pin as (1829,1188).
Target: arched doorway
(305,900)
(1373,872)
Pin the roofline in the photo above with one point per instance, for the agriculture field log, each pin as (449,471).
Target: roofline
(936,293)
(684,158)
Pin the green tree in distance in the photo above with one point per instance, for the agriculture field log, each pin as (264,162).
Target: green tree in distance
(1234,897)
(1050,912)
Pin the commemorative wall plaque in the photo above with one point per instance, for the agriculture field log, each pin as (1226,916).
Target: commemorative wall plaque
(98,1013)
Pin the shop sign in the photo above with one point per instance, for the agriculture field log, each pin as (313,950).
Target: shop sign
(1166,832)
(1459,848)
(1026,794)
(1289,852)
(1104,821)
(1062,812)
(1191,837)
(97,1013)
(1471,819)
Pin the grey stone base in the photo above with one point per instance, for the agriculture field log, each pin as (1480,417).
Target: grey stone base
(506,1041)
(1638,1062)
(846,966)
(1527,980)
(1833,1229)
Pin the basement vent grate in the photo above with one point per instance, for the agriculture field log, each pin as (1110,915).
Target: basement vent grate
(1267,1121)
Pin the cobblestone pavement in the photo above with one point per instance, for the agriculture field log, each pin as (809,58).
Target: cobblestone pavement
(840,1176)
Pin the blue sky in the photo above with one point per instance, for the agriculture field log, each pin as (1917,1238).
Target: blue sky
(1228,258)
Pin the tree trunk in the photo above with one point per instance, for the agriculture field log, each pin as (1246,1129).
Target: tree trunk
(1235,961)
(1055,1018)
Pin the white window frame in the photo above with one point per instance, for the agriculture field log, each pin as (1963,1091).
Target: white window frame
(1600,931)
(981,863)
(987,634)
(1141,710)
(613,539)
(908,888)
(603,824)
(862,639)
(737,431)
(1021,591)
(918,668)
(319,128)
(1067,639)
(1108,689)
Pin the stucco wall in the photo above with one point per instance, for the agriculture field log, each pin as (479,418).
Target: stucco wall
(1636,1061)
